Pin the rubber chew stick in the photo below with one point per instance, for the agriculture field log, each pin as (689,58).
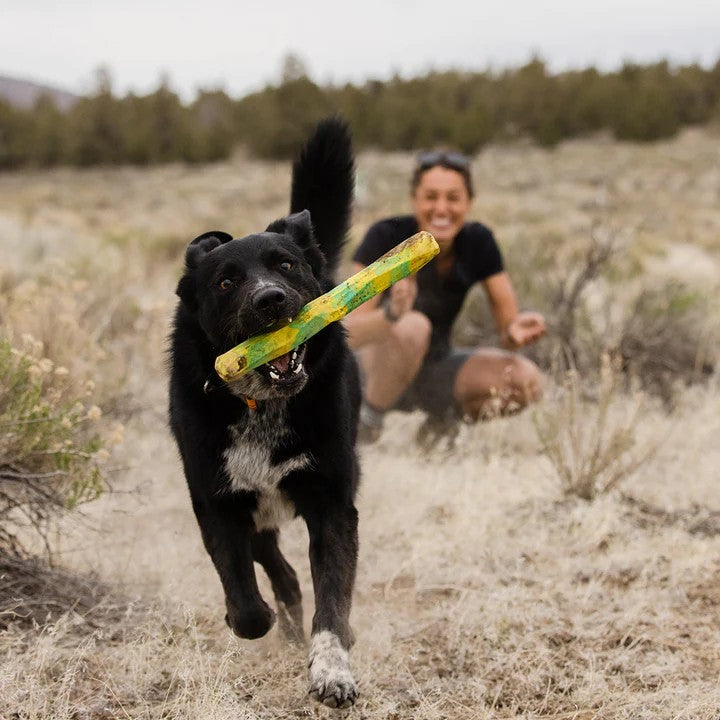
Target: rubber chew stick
(403,260)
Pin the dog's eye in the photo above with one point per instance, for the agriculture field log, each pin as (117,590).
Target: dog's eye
(225,284)
(286,265)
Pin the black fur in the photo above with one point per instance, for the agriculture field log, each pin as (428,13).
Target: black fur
(302,435)
(323,180)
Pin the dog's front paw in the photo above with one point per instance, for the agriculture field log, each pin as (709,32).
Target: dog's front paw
(331,681)
(250,623)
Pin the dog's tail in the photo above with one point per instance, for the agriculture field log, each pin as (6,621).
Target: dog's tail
(322,182)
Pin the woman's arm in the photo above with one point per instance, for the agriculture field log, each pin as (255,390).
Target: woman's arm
(371,321)
(514,328)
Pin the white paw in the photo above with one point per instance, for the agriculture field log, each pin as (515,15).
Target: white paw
(331,681)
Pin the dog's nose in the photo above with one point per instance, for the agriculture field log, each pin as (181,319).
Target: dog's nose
(269,297)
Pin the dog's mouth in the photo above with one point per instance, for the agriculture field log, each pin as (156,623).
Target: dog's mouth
(286,369)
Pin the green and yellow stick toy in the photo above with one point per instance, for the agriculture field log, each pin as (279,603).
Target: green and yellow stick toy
(403,260)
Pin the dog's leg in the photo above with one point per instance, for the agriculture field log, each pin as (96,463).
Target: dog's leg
(284,583)
(333,559)
(227,528)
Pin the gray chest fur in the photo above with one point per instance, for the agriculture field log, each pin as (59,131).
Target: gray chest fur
(248,461)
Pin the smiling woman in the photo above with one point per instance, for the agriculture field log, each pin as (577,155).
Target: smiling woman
(441,195)
(403,339)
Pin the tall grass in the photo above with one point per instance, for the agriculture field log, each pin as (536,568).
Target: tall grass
(591,442)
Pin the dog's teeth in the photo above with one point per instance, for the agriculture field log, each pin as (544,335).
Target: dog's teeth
(274,375)
(290,320)
(298,369)
(294,354)
(270,324)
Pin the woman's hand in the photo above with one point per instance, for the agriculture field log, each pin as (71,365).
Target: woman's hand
(525,328)
(402,297)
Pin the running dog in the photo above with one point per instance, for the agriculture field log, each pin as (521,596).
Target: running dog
(280,441)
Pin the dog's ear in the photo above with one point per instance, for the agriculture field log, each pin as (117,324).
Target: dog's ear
(299,227)
(186,292)
(202,245)
(195,252)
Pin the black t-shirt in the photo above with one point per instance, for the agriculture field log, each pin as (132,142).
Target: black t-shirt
(477,257)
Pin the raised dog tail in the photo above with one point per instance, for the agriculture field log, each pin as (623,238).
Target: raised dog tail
(323,179)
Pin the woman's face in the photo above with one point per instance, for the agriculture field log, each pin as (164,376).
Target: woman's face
(441,203)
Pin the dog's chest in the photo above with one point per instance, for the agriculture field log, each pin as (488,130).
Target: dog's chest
(250,467)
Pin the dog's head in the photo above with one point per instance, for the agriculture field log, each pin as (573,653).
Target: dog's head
(238,288)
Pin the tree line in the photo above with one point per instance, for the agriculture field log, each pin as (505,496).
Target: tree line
(463,110)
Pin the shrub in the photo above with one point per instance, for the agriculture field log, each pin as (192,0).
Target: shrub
(590,443)
(664,339)
(556,276)
(50,449)
(664,336)
(80,324)
(64,335)
(644,106)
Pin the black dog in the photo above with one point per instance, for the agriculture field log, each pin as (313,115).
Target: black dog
(280,441)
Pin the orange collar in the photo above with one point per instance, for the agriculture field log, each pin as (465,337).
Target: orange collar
(211,384)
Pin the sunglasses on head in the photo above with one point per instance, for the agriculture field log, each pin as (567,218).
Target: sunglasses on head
(452,160)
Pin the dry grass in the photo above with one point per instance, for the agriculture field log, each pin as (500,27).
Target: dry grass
(483,590)
(592,444)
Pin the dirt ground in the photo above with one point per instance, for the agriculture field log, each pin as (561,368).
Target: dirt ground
(483,589)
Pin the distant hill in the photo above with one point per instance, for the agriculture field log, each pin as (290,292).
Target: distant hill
(24,93)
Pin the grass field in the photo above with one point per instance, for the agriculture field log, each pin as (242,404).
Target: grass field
(486,587)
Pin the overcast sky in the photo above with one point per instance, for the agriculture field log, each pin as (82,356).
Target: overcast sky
(239,45)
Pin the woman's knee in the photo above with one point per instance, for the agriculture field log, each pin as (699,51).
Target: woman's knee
(412,333)
(526,380)
(399,357)
(497,382)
